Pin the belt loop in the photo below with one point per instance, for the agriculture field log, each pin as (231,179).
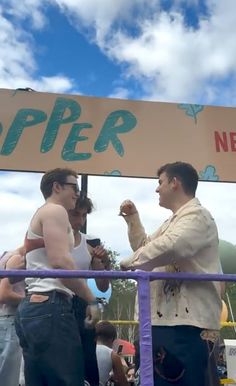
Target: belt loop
(54,294)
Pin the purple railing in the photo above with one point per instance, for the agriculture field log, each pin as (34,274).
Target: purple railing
(143,278)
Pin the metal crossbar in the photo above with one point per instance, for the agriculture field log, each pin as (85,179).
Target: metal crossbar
(143,278)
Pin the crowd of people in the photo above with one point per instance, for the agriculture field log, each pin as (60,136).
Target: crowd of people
(55,322)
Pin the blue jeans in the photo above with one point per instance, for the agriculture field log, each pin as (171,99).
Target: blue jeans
(50,340)
(88,340)
(180,356)
(10,352)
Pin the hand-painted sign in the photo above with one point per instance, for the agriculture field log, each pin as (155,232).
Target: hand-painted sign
(98,136)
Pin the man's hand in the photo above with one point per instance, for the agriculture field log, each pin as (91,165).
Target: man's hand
(16,261)
(123,267)
(100,258)
(127,208)
(127,263)
(93,315)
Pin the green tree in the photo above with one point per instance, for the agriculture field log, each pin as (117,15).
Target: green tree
(122,302)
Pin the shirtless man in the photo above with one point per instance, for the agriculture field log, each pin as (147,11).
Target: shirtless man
(45,322)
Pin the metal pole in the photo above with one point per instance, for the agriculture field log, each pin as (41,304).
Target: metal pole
(84,191)
(145,332)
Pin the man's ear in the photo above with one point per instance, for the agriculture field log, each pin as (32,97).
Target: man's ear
(175,183)
(56,186)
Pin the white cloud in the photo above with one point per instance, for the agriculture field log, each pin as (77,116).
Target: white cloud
(177,61)
(28,11)
(120,93)
(172,60)
(20,197)
(101,15)
(18,66)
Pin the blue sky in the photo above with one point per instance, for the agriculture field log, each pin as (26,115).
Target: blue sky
(160,50)
(139,49)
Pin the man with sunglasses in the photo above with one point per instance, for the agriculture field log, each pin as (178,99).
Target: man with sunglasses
(45,321)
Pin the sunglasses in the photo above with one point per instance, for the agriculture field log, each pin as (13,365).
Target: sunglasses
(73,185)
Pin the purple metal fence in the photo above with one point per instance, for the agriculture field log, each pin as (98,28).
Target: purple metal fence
(143,279)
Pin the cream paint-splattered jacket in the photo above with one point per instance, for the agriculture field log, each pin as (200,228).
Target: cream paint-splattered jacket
(186,242)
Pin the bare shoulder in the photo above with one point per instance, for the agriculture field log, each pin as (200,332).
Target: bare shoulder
(52,211)
(49,214)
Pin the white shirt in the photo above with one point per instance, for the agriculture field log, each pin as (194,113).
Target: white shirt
(104,361)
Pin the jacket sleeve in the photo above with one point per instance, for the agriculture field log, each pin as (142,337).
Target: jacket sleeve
(190,233)
(136,231)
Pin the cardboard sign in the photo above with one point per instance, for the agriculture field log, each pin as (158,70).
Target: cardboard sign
(100,136)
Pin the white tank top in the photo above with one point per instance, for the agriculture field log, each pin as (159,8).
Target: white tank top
(81,254)
(37,260)
(104,361)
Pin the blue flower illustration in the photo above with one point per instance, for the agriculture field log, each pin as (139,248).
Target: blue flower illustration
(113,173)
(209,174)
(191,110)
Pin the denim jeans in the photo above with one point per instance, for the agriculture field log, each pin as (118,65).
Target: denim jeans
(88,340)
(50,340)
(10,352)
(180,356)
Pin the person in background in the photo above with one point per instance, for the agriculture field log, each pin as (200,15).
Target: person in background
(10,297)
(108,360)
(87,257)
(185,314)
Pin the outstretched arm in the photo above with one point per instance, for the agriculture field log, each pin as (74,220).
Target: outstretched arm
(191,233)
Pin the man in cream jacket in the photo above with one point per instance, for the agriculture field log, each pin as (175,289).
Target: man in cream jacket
(185,314)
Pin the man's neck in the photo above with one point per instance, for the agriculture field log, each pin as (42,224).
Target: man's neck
(104,343)
(180,202)
(53,200)
(77,236)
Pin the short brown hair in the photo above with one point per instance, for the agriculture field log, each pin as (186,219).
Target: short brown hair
(106,330)
(55,175)
(184,172)
(84,202)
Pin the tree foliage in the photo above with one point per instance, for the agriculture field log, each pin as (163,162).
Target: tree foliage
(122,302)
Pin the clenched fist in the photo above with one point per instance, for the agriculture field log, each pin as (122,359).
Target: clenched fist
(93,315)
(127,208)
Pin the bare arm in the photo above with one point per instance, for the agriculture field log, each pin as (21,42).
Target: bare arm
(16,260)
(100,262)
(7,294)
(118,371)
(56,233)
